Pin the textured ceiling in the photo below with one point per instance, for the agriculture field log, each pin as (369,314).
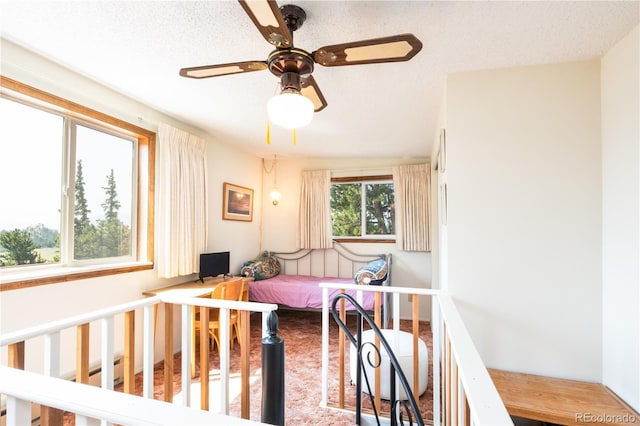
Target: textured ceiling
(382,110)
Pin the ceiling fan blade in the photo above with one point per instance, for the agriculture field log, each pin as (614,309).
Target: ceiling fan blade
(267,17)
(309,89)
(396,48)
(207,71)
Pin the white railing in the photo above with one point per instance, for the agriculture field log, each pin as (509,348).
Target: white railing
(463,392)
(90,403)
(225,306)
(468,395)
(108,405)
(52,330)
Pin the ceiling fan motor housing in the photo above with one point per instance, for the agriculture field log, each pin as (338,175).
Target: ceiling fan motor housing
(290,65)
(290,80)
(290,60)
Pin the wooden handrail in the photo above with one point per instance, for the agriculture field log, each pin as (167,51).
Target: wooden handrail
(129,351)
(245,371)
(82,353)
(16,355)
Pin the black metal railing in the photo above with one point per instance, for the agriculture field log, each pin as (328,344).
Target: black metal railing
(401,411)
(273,377)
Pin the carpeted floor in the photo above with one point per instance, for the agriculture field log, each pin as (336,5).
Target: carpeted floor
(301,331)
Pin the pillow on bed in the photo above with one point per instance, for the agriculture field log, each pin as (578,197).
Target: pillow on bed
(376,271)
(261,268)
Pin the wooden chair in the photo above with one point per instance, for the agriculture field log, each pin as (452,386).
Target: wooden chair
(227,290)
(243,297)
(231,290)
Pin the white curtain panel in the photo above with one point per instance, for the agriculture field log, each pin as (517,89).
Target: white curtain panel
(182,202)
(315,210)
(412,188)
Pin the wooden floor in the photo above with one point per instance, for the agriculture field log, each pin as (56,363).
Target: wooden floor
(560,401)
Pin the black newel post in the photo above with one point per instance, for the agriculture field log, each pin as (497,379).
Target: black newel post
(272,374)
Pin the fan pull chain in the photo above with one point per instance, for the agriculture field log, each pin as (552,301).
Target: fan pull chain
(295,137)
(268,133)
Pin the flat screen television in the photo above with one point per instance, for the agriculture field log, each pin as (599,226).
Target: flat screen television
(214,264)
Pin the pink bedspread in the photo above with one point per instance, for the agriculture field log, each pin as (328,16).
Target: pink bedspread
(301,291)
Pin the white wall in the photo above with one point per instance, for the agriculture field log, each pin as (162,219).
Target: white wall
(621,218)
(524,220)
(32,306)
(242,239)
(438,182)
(280,223)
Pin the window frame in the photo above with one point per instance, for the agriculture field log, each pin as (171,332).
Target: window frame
(367,238)
(143,194)
(68,255)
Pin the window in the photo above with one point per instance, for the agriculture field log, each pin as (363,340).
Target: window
(78,183)
(363,208)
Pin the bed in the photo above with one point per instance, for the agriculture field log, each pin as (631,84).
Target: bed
(292,283)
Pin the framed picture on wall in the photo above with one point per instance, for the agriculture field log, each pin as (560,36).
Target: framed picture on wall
(237,202)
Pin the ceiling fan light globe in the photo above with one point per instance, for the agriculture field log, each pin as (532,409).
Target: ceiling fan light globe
(290,110)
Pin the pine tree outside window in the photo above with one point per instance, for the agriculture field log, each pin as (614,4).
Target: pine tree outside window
(103,201)
(363,208)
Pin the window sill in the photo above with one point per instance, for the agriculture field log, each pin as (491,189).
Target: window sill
(15,281)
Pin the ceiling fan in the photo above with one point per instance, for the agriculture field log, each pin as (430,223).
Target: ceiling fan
(294,66)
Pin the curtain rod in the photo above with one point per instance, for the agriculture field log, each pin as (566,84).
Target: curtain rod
(382,169)
(363,169)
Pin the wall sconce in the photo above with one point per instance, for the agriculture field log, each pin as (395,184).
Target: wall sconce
(274,194)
